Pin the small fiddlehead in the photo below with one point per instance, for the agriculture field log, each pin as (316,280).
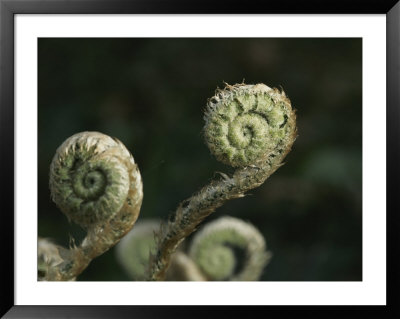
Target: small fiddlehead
(251,127)
(96,183)
(133,251)
(229,249)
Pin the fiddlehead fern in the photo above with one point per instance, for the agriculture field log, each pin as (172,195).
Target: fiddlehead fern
(251,127)
(229,249)
(246,124)
(133,251)
(95,183)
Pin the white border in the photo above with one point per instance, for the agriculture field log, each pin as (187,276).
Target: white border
(372,290)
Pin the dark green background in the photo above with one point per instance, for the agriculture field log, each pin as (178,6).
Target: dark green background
(151,93)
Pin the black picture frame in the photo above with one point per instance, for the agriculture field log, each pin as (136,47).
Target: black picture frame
(8,10)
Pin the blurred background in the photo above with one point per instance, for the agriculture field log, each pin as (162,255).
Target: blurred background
(151,93)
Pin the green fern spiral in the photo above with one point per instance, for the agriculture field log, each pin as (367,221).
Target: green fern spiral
(245,124)
(133,251)
(229,249)
(91,177)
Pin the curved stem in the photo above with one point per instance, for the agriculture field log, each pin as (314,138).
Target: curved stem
(183,268)
(99,239)
(191,212)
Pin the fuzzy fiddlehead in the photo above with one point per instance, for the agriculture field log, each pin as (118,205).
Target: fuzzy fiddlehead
(249,127)
(96,183)
(229,249)
(246,124)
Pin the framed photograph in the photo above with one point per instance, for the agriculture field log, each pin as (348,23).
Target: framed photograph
(161,155)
